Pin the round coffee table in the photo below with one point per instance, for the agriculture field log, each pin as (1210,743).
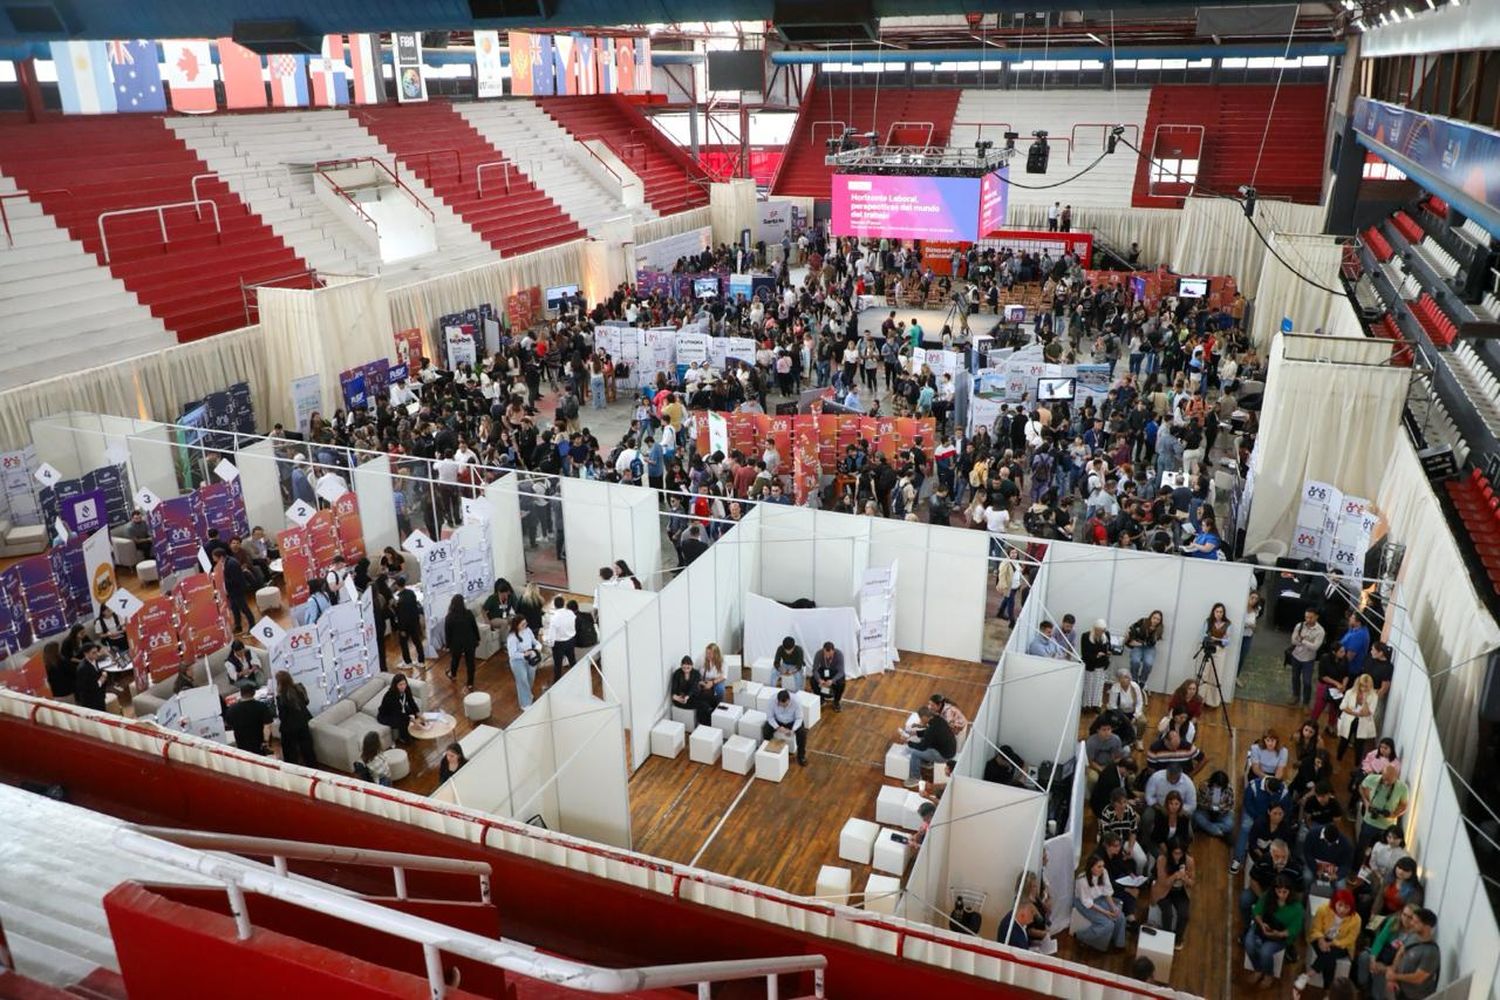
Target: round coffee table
(435,729)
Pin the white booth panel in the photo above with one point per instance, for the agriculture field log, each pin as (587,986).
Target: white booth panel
(645,534)
(703,600)
(675,613)
(531,762)
(648,671)
(57,445)
(506,551)
(375,491)
(839,560)
(588,740)
(788,552)
(1080,582)
(587,527)
(152,463)
(261,483)
(90,441)
(927,879)
(905,543)
(986,814)
(1204,582)
(957,582)
(483,783)
(1039,705)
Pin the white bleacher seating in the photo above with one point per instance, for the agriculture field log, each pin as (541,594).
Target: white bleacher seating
(60,309)
(1479,383)
(1476,233)
(1437,258)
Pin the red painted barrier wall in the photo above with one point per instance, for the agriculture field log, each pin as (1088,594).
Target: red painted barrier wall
(569,913)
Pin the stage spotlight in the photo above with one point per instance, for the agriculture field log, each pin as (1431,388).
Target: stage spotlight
(1010,141)
(1248,194)
(984,146)
(1114,138)
(1036,156)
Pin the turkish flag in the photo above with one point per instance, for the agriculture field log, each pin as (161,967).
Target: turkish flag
(190,76)
(244,81)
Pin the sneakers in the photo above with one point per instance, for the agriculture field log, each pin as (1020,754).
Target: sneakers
(1234,867)
(908,784)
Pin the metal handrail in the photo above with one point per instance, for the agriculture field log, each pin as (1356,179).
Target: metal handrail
(590,150)
(435,938)
(350,161)
(161,217)
(480,169)
(339,190)
(981,126)
(279,851)
(252,302)
(812,129)
(24,194)
(1106,126)
(635,145)
(428,154)
(926,141)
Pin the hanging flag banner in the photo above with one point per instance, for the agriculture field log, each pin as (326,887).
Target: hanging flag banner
(411,85)
(329,80)
(135,66)
(15,630)
(83,78)
(99,568)
(307,399)
(461,348)
(243,74)
(364,60)
(348,527)
(72,576)
(190,75)
(487,68)
(153,641)
(296,563)
(200,623)
(288,80)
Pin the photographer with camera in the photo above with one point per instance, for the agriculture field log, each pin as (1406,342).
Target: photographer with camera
(1386,799)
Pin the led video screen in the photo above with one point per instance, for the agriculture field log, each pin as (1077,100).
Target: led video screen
(907,208)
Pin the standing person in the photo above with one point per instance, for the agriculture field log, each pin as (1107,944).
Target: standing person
(1141,639)
(1302,655)
(1357,717)
(398,706)
(561,632)
(235,588)
(1008,581)
(461,629)
(1386,800)
(1094,899)
(828,675)
(1175,875)
(1215,638)
(785,720)
(411,623)
(1094,648)
(295,715)
(381,602)
(525,653)
(88,680)
(250,720)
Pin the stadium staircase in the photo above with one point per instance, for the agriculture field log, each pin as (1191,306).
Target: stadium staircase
(826,111)
(85,167)
(673,182)
(439,145)
(1233,117)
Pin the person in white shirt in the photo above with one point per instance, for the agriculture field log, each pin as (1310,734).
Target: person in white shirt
(1094,899)
(464,455)
(559,633)
(1126,698)
(606,579)
(446,470)
(334,578)
(1171,779)
(996,518)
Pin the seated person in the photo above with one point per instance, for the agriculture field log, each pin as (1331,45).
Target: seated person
(1119,819)
(951,714)
(1168,749)
(1103,747)
(1275,825)
(241,665)
(139,532)
(784,721)
(933,743)
(1014,924)
(828,675)
(686,689)
(1328,857)
(1333,935)
(1005,768)
(1277,863)
(788,663)
(1318,808)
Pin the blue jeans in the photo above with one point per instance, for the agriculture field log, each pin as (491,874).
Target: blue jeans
(1103,930)
(1008,607)
(596,392)
(1245,647)
(1142,661)
(1262,951)
(916,758)
(525,674)
(1242,842)
(1220,827)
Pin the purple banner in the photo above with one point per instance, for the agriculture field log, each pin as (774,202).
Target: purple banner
(994,195)
(221,506)
(85,513)
(918,208)
(15,630)
(174,535)
(72,576)
(44,601)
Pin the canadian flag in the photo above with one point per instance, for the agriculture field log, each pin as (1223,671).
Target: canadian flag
(190,76)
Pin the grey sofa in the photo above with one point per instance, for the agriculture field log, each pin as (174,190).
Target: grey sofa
(338,732)
(148,701)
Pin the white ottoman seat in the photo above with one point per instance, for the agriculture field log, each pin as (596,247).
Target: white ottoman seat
(686,716)
(145,571)
(857,840)
(267,599)
(881,893)
(896,761)
(889,854)
(667,738)
(750,724)
(834,883)
(890,805)
(771,761)
(739,754)
(812,707)
(705,744)
(395,759)
(726,718)
(761,672)
(477,706)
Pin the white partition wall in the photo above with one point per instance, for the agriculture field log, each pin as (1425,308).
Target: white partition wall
(789,552)
(607,521)
(618,605)
(767,623)
(590,780)
(375,492)
(530,764)
(1038,705)
(260,478)
(57,445)
(954,604)
(152,462)
(503,497)
(1120,586)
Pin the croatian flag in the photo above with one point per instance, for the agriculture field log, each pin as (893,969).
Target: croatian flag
(366,70)
(137,73)
(83,78)
(329,85)
(190,76)
(288,81)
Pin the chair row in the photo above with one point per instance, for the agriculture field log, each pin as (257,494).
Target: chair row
(1378,244)
(1408,227)
(1480,384)
(1439,327)
(1479,509)
(1386,329)
(1437,258)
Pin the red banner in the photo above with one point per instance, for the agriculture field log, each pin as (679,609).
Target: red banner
(828,435)
(524,307)
(153,641)
(323,539)
(296,563)
(409,349)
(200,623)
(351,532)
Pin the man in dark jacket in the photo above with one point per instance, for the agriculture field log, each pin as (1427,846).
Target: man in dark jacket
(249,720)
(409,622)
(235,586)
(88,683)
(828,675)
(934,744)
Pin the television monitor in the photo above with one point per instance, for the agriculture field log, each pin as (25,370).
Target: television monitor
(1192,288)
(737,70)
(556,295)
(705,288)
(1055,389)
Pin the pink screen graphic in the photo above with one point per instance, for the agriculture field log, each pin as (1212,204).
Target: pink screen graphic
(917,208)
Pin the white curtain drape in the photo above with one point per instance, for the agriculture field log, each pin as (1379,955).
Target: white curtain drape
(731,208)
(1215,237)
(1354,350)
(1155,229)
(1284,292)
(1330,422)
(323,331)
(1452,626)
(671,225)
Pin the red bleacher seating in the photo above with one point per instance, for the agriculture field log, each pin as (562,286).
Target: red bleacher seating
(864,109)
(1378,244)
(1234,120)
(1478,507)
(1439,327)
(1437,206)
(1385,328)
(85,166)
(439,146)
(673,182)
(1408,227)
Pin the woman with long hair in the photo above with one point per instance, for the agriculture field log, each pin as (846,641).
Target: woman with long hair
(1175,875)
(525,653)
(295,715)
(1186,696)
(398,706)
(1094,899)
(1141,639)
(713,672)
(461,630)
(371,766)
(452,760)
(529,607)
(1215,639)
(1357,716)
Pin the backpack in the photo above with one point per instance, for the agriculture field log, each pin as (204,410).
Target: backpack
(362,771)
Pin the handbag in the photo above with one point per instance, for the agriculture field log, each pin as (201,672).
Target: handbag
(532,656)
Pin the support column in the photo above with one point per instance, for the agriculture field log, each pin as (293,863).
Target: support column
(31,88)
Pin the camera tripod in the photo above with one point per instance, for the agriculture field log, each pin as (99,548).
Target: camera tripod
(1205,662)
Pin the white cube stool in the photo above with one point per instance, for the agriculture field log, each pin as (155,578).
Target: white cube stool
(726,718)
(764,697)
(812,707)
(911,805)
(739,754)
(834,883)
(882,892)
(395,759)
(687,716)
(940,775)
(772,760)
(477,706)
(1160,946)
(890,805)
(889,854)
(896,761)
(857,840)
(267,599)
(761,672)
(704,745)
(745,693)
(750,724)
(145,571)
(1275,963)
(667,738)
(734,666)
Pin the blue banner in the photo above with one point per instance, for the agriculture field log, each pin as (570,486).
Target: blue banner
(1463,156)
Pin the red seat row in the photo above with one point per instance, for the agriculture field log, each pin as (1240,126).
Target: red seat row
(1410,228)
(1386,329)
(1436,206)
(1439,327)
(1378,244)
(1479,508)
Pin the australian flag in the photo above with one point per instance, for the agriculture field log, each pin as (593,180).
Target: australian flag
(137,72)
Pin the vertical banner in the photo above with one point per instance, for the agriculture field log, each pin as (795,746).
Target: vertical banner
(440,582)
(349,529)
(411,85)
(487,69)
(460,345)
(15,630)
(409,350)
(364,62)
(199,620)
(303,658)
(542,80)
(296,563)
(522,55)
(243,74)
(323,540)
(83,78)
(347,663)
(475,565)
(307,399)
(153,640)
(43,597)
(72,577)
(174,538)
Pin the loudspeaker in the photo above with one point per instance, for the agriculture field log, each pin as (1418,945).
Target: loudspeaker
(825,21)
(488,10)
(1036,157)
(1489,696)
(287,35)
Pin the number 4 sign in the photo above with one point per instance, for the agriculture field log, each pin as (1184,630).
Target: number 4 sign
(47,475)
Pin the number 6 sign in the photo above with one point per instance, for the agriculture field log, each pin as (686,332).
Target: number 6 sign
(268,633)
